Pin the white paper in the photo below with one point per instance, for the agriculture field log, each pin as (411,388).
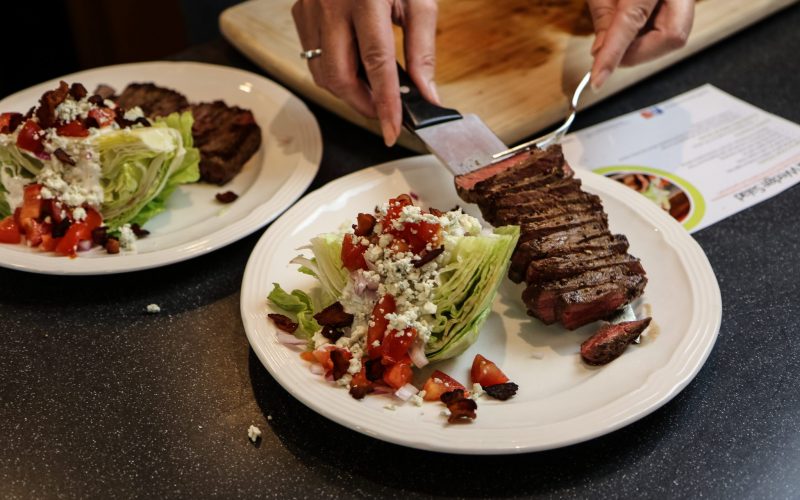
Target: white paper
(703,155)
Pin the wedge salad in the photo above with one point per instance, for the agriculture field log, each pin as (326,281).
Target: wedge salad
(400,288)
(78,171)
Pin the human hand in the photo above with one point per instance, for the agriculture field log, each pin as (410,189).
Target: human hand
(349,31)
(629,32)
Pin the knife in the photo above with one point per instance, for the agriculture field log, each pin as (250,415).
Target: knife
(462,142)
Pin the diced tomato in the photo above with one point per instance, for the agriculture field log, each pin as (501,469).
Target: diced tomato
(440,383)
(399,374)
(378,323)
(486,373)
(308,356)
(396,345)
(323,357)
(33,232)
(353,253)
(103,116)
(93,219)
(48,242)
(54,209)
(395,209)
(76,233)
(29,138)
(419,234)
(31,203)
(75,128)
(9,230)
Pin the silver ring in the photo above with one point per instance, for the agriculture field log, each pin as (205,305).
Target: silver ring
(310,54)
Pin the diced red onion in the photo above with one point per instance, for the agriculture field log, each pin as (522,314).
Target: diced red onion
(290,340)
(84,245)
(417,354)
(317,369)
(406,392)
(382,389)
(329,377)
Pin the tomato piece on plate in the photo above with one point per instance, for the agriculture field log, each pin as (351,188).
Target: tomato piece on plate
(486,373)
(103,116)
(9,230)
(440,383)
(75,128)
(48,242)
(76,233)
(399,374)
(353,253)
(30,139)
(31,204)
(93,219)
(396,345)
(378,323)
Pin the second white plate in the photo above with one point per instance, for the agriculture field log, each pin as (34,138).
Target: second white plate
(194,222)
(561,400)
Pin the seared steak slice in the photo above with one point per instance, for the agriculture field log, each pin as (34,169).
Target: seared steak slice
(226,136)
(543,299)
(564,266)
(581,307)
(562,187)
(546,202)
(559,244)
(154,100)
(548,212)
(539,229)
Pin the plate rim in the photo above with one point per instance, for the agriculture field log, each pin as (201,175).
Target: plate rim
(294,187)
(701,343)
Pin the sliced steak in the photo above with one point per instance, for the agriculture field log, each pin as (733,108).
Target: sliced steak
(154,100)
(540,229)
(548,212)
(511,200)
(546,202)
(564,266)
(226,136)
(581,307)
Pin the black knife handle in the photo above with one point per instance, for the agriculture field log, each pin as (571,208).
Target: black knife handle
(417,112)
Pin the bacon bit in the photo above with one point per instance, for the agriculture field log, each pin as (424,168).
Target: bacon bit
(97,100)
(227,197)
(100,235)
(427,256)
(138,231)
(9,122)
(611,340)
(340,363)
(112,245)
(61,228)
(374,370)
(105,91)
(435,211)
(91,122)
(502,391)
(359,391)
(29,114)
(119,118)
(332,334)
(334,316)
(283,322)
(78,91)
(142,121)
(46,112)
(405,197)
(365,224)
(63,157)
(460,406)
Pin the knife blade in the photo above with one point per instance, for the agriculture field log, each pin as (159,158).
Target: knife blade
(462,142)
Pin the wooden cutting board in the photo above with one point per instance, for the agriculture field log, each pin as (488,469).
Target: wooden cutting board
(511,62)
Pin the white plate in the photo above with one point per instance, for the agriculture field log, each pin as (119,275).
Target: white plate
(195,223)
(561,400)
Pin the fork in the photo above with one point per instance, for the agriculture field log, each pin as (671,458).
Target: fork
(555,136)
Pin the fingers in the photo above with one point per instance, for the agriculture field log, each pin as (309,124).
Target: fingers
(602,12)
(671,26)
(305,16)
(628,19)
(420,45)
(373,25)
(339,61)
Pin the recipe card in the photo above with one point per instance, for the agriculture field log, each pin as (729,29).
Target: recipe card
(701,156)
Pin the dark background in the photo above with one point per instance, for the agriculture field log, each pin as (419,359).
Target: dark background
(55,38)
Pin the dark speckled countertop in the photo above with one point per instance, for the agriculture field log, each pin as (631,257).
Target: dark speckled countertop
(100,399)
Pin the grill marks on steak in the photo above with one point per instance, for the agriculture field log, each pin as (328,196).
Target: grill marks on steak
(576,271)
(227,136)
